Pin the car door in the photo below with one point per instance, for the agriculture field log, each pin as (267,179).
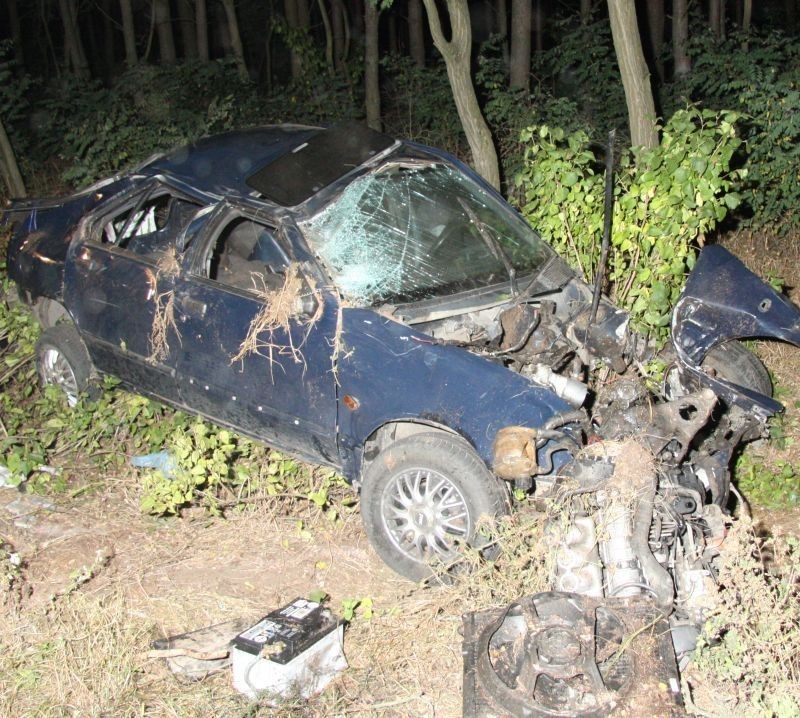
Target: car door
(256,340)
(119,284)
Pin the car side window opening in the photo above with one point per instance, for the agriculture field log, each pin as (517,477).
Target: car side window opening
(150,228)
(246,255)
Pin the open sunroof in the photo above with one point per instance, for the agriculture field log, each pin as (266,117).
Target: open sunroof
(317,162)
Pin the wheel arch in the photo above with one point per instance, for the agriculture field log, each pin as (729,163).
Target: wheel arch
(49,312)
(391,431)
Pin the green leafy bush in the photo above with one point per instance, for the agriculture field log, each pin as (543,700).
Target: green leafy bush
(773,486)
(206,460)
(510,111)
(217,469)
(666,200)
(759,77)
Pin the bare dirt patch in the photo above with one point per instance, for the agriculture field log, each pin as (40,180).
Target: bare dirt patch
(85,650)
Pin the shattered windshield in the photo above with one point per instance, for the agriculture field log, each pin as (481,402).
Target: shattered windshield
(414,230)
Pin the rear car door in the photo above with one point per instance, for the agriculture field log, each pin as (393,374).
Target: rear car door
(256,339)
(119,284)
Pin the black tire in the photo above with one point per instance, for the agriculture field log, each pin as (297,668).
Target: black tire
(464,490)
(62,360)
(734,362)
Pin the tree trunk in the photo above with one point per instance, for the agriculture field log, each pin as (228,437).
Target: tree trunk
(416,34)
(236,39)
(635,75)
(128,32)
(303,14)
(521,44)
(108,40)
(201,26)
(187,28)
(338,11)
(713,16)
(371,86)
(326,23)
(16,34)
(655,26)
(502,29)
(166,41)
(73,47)
(538,25)
(11,173)
(586,12)
(747,18)
(82,61)
(716,17)
(290,9)
(680,38)
(457,57)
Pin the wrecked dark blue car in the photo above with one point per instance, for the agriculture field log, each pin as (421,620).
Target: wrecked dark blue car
(373,305)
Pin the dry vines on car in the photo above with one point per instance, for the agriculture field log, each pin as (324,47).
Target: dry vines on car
(164,314)
(279,307)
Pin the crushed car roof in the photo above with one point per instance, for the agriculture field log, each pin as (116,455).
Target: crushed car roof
(285,164)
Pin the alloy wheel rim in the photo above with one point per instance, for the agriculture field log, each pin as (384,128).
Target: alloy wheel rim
(425,515)
(56,370)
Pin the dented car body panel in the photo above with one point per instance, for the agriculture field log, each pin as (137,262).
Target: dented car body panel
(441,357)
(723,300)
(391,372)
(398,374)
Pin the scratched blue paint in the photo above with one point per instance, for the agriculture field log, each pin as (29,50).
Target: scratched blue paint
(397,373)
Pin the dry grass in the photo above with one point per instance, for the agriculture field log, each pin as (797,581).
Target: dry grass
(277,313)
(178,575)
(164,312)
(750,663)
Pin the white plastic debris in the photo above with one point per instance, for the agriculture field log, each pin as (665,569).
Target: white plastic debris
(7,477)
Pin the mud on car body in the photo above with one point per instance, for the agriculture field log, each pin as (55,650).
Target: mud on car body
(433,349)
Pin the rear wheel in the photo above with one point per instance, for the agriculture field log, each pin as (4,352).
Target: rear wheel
(422,502)
(62,360)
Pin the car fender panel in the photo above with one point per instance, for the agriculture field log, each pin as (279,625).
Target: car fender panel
(393,373)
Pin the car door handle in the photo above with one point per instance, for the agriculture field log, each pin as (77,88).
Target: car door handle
(194,307)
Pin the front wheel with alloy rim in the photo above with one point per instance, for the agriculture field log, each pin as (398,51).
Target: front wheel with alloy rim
(62,360)
(422,500)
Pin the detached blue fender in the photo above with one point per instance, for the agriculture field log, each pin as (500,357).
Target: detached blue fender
(390,372)
(723,300)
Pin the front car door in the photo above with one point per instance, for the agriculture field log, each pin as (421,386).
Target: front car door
(256,340)
(119,285)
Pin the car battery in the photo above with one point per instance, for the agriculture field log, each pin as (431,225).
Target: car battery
(293,652)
